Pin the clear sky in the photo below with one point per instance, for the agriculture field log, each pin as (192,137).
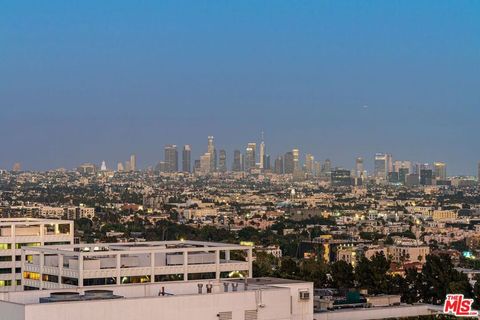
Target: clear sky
(97,80)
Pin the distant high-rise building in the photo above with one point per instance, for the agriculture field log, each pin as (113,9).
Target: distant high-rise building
(222,161)
(383,165)
(440,170)
(196,166)
(17,167)
(278,165)
(398,164)
(213,154)
(317,168)
(237,161)
(133,162)
(171,158)
(250,156)
(426,176)
(103,167)
(326,169)
(127,165)
(262,154)
(341,177)
(85,168)
(187,158)
(359,167)
(309,161)
(402,175)
(296,160)
(288,163)
(120,167)
(206,163)
(266,163)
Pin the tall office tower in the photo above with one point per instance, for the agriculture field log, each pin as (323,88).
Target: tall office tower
(133,162)
(327,165)
(266,163)
(296,160)
(317,167)
(278,165)
(171,158)
(309,160)
(196,166)
(288,163)
(402,175)
(206,163)
(222,161)
(440,170)
(389,163)
(426,176)
(250,156)
(262,154)
(127,166)
(397,165)
(359,167)
(103,167)
(237,161)
(213,154)
(186,158)
(381,166)
(120,167)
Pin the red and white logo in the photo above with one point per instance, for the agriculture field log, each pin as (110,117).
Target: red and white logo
(459,306)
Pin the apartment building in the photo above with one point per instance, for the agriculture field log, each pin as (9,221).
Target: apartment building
(401,252)
(17,233)
(241,299)
(69,266)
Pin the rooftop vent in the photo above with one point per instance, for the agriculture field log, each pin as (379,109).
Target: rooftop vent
(75,296)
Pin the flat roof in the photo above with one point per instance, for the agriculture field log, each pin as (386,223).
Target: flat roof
(31,220)
(138,247)
(151,290)
(265,281)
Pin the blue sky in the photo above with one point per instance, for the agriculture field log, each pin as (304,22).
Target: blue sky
(96,80)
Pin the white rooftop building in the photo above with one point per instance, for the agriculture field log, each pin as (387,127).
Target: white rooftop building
(69,266)
(17,233)
(249,299)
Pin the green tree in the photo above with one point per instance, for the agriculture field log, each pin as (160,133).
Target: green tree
(372,274)
(342,275)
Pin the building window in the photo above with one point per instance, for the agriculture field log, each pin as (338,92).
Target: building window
(135,279)
(28,244)
(168,277)
(50,278)
(5,270)
(70,281)
(99,281)
(5,283)
(31,275)
(5,246)
(5,258)
(201,276)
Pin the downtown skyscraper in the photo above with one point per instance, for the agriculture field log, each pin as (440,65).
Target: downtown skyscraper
(187,158)
(222,161)
(171,158)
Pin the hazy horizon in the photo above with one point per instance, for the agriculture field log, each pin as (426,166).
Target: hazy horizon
(89,81)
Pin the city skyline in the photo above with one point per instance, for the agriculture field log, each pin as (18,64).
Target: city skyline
(174,158)
(335,80)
